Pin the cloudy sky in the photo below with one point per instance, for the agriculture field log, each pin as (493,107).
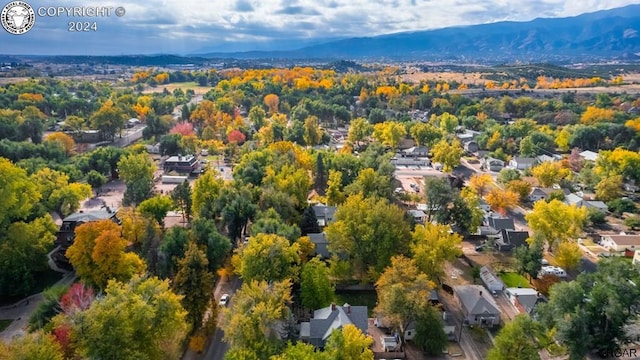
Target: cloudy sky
(192,26)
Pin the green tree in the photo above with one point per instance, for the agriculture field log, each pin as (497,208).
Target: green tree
(312,132)
(32,346)
(182,198)
(369,183)
(17,192)
(109,119)
(528,259)
(141,319)
(195,283)
(505,175)
(270,222)
(238,209)
(447,154)
(258,308)
(438,195)
(349,343)
(267,257)
(23,253)
(366,234)
(430,335)
(216,245)
(156,208)
(206,191)
(403,293)
(172,248)
(96,180)
(432,246)
(620,206)
(98,254)
(425,134)
(320,176)
(316,289)
(359,130)
(137,172)
(519,339)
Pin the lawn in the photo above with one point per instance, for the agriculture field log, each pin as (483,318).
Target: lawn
(515,280)
(358,298)
(4,323)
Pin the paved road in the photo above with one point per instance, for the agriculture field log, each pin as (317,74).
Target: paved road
(217,347)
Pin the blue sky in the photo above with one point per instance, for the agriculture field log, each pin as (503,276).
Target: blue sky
(188,26)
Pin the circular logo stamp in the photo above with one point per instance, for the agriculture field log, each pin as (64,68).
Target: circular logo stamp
(17,17)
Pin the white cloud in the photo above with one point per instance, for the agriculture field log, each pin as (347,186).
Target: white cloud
(197,24)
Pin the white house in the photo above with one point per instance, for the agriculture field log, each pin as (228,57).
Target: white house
(620,243)
(636,257)
(521,163)
(418,216)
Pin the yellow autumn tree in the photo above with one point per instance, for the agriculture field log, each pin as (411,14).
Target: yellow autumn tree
(67,142)
(502,200)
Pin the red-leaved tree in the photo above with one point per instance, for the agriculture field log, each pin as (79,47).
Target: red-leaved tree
(183,128)
(236,136)
(78,298)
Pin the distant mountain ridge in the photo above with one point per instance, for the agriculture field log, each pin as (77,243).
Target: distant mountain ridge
(606,34)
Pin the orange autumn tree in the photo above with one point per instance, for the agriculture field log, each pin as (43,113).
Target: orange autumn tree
(272,101)
(98,254)
(502,200)
(65,140)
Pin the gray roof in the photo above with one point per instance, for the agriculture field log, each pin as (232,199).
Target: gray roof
(524,160)
(324,211)
(597,205)
(527,297)
(538,191)
(320,241)
(326,320)
(573,199)
(84,217)
(476,299)
(515,238)
(501,223)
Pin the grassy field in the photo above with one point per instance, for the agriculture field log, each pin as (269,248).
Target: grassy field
(184,86)
(511,279)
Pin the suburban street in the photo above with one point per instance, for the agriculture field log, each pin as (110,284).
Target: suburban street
(217,347)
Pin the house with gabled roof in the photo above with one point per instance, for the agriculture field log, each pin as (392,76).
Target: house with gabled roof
(334,317)
(537,194)
(478,306)
(325,214)
(521,163)
(621,242)
(321,244)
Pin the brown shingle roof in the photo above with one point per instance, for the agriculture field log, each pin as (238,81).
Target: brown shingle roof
(625,239)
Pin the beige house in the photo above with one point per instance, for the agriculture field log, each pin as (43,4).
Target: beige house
(620,243)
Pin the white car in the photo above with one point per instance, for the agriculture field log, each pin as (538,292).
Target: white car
(224,300)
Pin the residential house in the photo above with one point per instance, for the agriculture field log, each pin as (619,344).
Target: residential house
(589,155)
(418,216)
(500,223)
(630,187)
(598,205)
(416,151)
(321,244)
(490,279)
(317,330)
(325,214)
(537,194)
(448,325)
(620,243)
(524,299)
(574,199)
(511,239)
(406,162)
(181,164)
(548,158)
(66,233)
(521,163)
(478,306)
(491,164)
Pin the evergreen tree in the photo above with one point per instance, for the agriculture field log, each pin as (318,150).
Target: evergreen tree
(320,176)
(309,222)
(194,282)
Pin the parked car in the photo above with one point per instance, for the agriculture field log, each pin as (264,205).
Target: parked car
(224,300)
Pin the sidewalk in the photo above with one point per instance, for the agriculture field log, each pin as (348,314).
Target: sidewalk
(20,311)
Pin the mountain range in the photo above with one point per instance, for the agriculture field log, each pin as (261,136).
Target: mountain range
(606,34)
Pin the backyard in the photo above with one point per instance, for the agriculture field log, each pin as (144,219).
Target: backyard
(515,280)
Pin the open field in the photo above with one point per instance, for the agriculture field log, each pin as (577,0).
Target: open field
(201,90)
